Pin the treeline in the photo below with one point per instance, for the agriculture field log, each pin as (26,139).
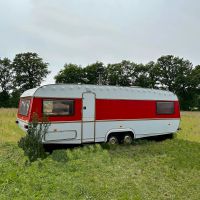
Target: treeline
(168,72)
(27,70)
(172,73)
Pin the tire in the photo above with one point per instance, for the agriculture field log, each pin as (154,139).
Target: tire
(128,139)
(113,140)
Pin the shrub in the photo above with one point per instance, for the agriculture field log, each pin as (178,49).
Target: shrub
(32,142)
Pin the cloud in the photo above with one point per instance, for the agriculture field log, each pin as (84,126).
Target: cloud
(84,31)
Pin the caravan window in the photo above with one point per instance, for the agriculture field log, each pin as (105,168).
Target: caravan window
(24,107)
(165,107)
(58,107)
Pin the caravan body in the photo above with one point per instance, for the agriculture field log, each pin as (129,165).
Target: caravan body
(92,113)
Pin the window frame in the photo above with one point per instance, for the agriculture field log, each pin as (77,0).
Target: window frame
(171,113)
(24,99)
(58,114)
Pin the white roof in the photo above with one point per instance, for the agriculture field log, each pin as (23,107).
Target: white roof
(101,91)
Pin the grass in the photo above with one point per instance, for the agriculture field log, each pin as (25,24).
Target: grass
(167,169)
(9,132)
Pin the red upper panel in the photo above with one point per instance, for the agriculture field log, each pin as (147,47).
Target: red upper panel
(107,110)
(130,109)
(36,107)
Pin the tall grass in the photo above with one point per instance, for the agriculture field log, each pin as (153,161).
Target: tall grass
(9,132)
(167,169)
(190,126)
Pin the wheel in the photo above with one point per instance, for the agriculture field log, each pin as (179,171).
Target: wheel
(113,140)
(128,139)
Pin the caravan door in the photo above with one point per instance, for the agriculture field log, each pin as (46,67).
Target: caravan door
(88,117)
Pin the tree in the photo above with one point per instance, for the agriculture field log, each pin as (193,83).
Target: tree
(94,72)
(195,77)
(70,74)
(14,98)
(129,73)
(175,76)
(174,72)
(29,70)
(141,76)
(119,73)
(4,99)
(153,75)
(6,75)
(195,82)
(146,75)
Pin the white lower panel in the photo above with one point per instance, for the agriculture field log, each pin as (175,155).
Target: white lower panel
(63,131)
(70,133)
(60,135)
(88,131)
(75,141)
(141,128)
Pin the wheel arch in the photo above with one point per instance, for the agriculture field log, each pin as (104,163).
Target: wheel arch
(125,130)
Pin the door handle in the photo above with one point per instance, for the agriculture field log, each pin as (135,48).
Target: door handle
(84,107)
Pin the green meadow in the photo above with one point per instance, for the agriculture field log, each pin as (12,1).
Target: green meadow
(147,169)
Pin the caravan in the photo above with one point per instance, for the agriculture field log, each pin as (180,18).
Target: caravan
(95,113)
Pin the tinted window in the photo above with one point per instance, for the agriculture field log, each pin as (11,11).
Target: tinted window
(165,107)
(58,107)
(24,107)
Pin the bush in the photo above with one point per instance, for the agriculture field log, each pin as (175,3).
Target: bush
(32,142)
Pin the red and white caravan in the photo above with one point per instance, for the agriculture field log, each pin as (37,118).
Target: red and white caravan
(95,113)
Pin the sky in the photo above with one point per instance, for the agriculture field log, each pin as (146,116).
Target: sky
(85,31)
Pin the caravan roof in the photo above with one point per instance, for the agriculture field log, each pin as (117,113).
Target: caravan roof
(101,92)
